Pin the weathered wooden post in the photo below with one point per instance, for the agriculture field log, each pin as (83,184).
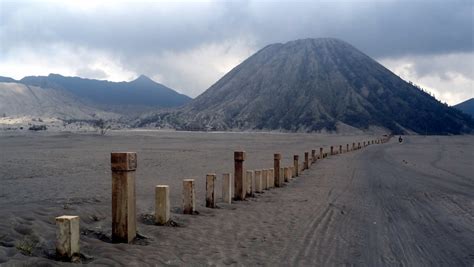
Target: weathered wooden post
(189,198)
(358,145)
(67,237)
(332,150)
(124,226)
(295,165)
(162,204)
(306,161)
(271,177)
(340,149)
(276,169)
(353,146)
(249,183)
(347,148)
(285,174)
(364,144)
(239,184)
(258,181)
(227,186)
(211,190)
(313,156)
(321,153)
(265,179)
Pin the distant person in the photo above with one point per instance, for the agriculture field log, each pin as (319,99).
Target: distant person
(400,139)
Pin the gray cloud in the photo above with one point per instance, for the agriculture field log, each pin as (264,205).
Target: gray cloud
(175,42)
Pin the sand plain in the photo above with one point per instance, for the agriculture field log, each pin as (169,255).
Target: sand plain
(391,204)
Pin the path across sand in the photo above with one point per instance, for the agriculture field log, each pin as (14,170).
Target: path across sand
(391,204)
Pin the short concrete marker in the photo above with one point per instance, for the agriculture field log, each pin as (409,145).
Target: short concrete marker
(67,237)
(162,204)
(227,185)
(258,181)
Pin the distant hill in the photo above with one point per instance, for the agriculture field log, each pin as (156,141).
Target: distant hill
(466,107)
(20,100)
(7,80)
(312,85)
(140,93)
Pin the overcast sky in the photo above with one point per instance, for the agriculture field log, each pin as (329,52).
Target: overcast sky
(190,45)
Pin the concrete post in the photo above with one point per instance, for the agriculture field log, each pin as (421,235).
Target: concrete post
(227,186)
(211,190)
(258,181)
(295,165)
(239,184)
(124,225)
(249,183)
(276,169)
(313,156)
(306,160)
(162,204)
(67,237)
(189,198)
(265,179)
(321,153)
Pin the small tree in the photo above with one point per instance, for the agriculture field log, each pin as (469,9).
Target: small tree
(101,126)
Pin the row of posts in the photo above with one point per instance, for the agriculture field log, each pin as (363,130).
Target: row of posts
(245,184)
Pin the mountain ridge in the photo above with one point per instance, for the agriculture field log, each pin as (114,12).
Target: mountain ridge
(140,92)
(466,106)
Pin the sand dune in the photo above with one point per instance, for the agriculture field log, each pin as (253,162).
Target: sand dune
(390,204)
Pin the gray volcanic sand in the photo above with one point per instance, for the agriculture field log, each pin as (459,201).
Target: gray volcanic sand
(390,204)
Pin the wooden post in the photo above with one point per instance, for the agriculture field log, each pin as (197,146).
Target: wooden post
(249,183)
(353,146)
(313,156)
(258,181)
(276,169)
(306,160)
(124,225)
(282,176)
(271,178)
(265,179)
(332,151)
(239,184)
(295,165)
(211,190)
(285,174)
(321,153)
(189,198)
(358,145)
(340,149)
(227,186)
(67,237)
(162,204)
